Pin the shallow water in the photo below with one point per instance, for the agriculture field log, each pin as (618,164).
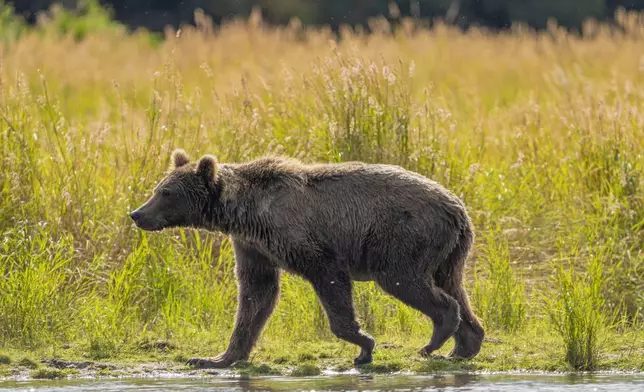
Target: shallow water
(452,382)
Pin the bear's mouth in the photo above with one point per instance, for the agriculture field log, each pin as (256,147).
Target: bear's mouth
(149,226)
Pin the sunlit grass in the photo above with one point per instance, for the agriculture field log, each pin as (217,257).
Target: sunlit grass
(576,313)
(542,137)
(499,296)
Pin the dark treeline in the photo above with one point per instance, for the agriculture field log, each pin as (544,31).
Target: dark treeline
(155,14)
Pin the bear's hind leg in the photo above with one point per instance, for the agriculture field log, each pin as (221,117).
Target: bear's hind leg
(470,334)
(428,299)
(334,292)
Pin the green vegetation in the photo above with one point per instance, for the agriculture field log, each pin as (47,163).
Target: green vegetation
(577,313)
(382,367)
(50,373)
(306,370)
(28,363)
(541,135)
(500,296)
(251,369)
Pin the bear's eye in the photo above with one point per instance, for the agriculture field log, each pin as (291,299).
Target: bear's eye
(165,193)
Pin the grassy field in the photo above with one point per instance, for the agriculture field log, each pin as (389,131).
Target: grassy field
(542,136)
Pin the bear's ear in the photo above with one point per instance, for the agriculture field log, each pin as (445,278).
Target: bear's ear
(179,158)
(207,167)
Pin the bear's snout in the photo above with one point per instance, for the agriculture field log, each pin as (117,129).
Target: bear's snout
(143,221)
(135,215)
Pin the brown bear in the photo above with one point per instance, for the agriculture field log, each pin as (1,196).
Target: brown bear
(330,224)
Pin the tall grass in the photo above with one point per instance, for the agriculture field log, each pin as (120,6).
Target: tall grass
(540,134)
(577,311)
(499,297)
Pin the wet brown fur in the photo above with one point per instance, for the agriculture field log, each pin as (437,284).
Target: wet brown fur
(330,224)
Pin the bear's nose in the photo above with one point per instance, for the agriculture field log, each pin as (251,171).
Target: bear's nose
(135,215)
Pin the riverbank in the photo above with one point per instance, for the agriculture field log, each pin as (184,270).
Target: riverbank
(621,353)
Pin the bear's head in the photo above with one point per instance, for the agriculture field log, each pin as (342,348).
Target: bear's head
(182,197)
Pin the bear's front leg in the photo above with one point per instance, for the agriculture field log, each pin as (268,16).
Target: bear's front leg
(258,285)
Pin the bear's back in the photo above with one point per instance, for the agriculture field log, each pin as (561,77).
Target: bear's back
(368,178)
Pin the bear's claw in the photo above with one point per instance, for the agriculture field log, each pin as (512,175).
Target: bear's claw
(202,363)
(460,354)
(362,360)
(365,357)
(427,352)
